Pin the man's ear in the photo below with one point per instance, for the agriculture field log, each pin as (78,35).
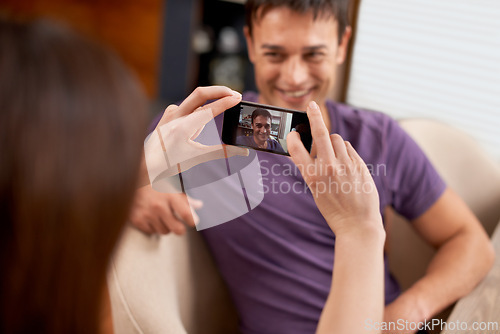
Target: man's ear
(343,45)
(250,47)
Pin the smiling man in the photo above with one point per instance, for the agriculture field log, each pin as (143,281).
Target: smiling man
(296,52)
(277,259)
(261,127)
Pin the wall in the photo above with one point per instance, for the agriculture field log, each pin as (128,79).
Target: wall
(131,28)
(431,59)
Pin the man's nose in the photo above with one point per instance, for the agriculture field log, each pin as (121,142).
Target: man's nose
(295,71)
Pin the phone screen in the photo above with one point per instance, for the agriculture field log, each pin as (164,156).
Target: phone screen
(264,127)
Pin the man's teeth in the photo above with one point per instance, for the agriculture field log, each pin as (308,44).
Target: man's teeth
(298,93)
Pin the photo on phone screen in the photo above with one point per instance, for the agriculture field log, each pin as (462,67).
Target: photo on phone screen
(264,127)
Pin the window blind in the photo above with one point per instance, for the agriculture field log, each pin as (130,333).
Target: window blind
(431,59)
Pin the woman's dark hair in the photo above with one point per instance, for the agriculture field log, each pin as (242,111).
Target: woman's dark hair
(339,9)
(72,121)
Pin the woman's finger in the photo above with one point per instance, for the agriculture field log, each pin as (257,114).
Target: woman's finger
(297,151)
(352,153)
(196,120)
(339,147)
(356,158)
(203,94)
(320,133)
(168,115)
(219,106)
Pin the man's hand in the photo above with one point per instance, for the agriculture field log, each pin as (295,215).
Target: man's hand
(154,212)
(394,312)
(464,256)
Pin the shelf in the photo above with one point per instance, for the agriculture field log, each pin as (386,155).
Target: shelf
(242,2)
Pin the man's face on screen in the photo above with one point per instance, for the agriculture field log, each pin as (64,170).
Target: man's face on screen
(261,129)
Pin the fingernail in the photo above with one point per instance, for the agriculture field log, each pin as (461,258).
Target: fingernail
(313,105)
(236,94)
(195,203)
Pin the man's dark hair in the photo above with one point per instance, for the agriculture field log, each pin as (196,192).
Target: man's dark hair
(256,9)
(261,112)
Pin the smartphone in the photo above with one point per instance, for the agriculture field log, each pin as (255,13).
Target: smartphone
(263,127)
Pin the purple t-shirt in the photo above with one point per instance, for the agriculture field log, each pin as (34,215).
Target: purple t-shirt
(277,259)
(272,144)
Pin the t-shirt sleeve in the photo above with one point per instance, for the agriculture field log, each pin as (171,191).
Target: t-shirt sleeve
(414,183)
(277,146)
(240,140)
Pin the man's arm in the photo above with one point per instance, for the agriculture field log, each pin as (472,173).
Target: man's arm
(464,256)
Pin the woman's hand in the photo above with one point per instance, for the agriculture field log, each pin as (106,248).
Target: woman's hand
(159,207)
(339,180)
(171,149)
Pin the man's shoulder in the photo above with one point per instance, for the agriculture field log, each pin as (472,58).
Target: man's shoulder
(350,119)
(243,140)
(275,145)
(348,112)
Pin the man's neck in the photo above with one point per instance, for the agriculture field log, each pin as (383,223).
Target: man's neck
(263,145)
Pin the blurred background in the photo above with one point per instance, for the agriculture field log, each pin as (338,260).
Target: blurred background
(417,58)
(172,45)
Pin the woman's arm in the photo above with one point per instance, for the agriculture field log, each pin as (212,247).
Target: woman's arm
(346,195)
(356,300)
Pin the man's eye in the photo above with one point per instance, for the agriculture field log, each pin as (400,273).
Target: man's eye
(314,56)
(274,56)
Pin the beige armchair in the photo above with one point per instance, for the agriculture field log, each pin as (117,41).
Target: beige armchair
(168,285)
(467,169)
